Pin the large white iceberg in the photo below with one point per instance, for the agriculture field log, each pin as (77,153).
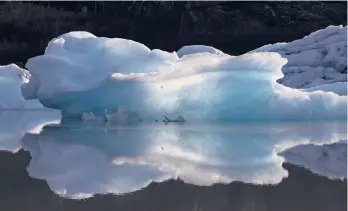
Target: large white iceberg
(317,59)
(11,79)
(82,73)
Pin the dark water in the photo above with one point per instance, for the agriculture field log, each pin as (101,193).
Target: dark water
(301,191)
(160,167)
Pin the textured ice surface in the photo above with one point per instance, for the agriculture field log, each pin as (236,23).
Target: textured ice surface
(14,124)
(339,88)
(11,79)
(192,49)
(327,159)
(316,59)
(82,73)
(81,160)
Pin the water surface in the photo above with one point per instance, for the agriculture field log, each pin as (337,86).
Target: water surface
(78,160)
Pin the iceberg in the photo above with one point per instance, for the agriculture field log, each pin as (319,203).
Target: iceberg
(317,59)
(81,73)
(11,79)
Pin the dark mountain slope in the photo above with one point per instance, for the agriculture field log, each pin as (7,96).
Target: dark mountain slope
(233,27)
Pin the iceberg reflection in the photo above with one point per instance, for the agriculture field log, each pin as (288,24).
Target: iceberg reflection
(14,124)
(82,160)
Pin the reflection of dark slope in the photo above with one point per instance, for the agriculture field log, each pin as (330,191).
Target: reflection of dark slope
(301,191)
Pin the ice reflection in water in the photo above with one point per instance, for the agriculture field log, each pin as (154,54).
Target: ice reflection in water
(80,160)
(14,124)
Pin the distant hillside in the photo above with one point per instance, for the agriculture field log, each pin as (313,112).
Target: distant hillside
(233,27)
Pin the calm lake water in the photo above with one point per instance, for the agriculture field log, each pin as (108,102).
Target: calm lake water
(160,166)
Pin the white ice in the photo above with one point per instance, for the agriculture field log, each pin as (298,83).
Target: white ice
(192,49)
(327,159)
(339,88)
(82,73)
(80,161)
(11,79)
(17,115)
(317,59)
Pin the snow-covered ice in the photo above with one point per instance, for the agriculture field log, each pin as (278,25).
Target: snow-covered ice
(81,161)
(82,73)
(327,159)
(317,59)
(11,79)
(339,88)
(192,49)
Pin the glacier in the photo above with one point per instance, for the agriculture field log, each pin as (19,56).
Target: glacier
(81,73)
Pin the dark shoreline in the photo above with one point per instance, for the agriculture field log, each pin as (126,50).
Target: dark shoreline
(301,191)
(233,27)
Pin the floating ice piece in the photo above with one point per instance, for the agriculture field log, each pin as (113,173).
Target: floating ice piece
(178,119)
(91,117)
(122,116)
